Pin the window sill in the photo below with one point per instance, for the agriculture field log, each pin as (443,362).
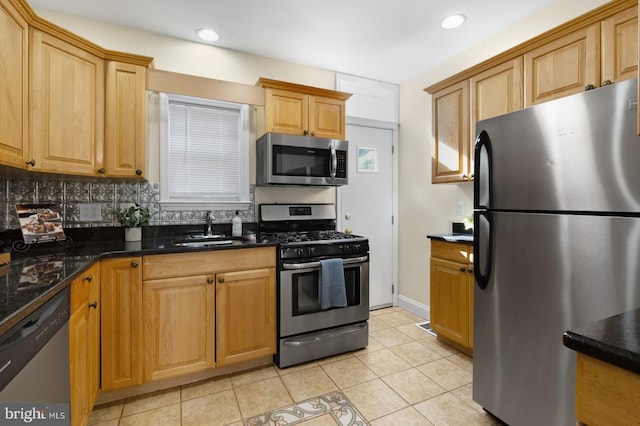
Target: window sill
(194,205)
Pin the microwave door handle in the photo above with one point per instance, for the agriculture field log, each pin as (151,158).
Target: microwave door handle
(334,160)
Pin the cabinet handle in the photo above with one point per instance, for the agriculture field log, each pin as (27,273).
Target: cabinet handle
(134,264)
(209,280)
(606,83)
(462,269)
(88,279)
(589,87)
(306,132)
(313,133)
(101,171)
(221,280)
(93,305)
(470,271)
(138,172)
(31,163)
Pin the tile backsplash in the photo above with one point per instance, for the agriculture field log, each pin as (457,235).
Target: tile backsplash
(70,192)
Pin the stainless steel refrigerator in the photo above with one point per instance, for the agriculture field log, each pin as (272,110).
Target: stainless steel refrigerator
(556,245)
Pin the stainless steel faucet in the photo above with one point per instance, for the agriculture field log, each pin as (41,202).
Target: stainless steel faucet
(210,218)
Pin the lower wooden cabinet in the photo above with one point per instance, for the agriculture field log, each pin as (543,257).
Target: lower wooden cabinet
(121,316)
(452,285)
(84,344)
(178,326)
(605,394)
(207,309)
(245,315)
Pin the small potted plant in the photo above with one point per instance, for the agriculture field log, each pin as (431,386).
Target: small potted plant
(132,219)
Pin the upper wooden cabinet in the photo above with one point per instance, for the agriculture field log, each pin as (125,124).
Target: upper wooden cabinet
(563,67)
(66,107)
(54,114)
(126,126)
(619,46)
(451,160)
(602,53)
(303,110)
(14,74)
(597,48)
(493,92)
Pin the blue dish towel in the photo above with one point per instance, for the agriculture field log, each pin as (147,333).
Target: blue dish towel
(332,291)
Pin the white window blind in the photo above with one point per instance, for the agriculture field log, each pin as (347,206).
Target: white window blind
(205,152)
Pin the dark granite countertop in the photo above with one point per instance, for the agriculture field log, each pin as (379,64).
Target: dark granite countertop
(452,238)
(615,340)
(33,277)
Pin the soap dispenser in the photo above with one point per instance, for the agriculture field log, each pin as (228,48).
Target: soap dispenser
(236,225)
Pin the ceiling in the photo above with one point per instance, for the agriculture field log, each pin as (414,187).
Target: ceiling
(379,39)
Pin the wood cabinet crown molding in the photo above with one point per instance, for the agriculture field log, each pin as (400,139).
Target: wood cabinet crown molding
(52,29)
(582,21)
(309,90)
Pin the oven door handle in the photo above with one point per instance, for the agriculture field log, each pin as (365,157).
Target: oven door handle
(313,339)
(317,264)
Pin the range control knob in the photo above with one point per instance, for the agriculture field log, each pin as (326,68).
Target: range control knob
(311,250)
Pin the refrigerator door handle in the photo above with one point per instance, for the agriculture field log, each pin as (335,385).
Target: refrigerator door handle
(482,248)
(483,172)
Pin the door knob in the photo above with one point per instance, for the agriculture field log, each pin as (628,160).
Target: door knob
(347,216)
(348,231)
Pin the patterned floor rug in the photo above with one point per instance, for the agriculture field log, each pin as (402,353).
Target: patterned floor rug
(335,404)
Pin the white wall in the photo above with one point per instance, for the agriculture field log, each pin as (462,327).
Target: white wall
(423,208)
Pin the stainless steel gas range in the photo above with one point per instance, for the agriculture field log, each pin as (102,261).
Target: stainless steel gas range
(307,238)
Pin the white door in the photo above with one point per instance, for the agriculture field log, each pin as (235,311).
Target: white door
(366,204)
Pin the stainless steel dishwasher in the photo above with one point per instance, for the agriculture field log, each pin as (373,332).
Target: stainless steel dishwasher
(34,364)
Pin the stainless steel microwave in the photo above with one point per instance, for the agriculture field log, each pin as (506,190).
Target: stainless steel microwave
(300,160)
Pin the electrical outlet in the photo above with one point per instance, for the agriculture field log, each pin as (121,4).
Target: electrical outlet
(460,208)
(90,212)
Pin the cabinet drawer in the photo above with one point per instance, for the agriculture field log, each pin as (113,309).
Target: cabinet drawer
(455,252)
(207,262)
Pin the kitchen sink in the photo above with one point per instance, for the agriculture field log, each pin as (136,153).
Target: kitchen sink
(208,240)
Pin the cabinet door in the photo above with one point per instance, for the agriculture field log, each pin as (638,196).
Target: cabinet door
(178,326)
(450,160)
(121,315)
(286,112)
(84,344)
(563,67)
(14,74)
(496,91)
(93,336)
(125,132)
(245,315)
(450,300)
(79,365)
(66,107)
(620,46)
(326,117)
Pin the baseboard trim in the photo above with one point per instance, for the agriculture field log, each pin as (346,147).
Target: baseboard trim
(414,307)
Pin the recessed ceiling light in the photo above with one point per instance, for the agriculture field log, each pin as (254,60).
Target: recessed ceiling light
(453,21)
(207,34)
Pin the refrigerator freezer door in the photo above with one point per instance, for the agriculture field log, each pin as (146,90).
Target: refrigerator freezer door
(578,153)
(549,273)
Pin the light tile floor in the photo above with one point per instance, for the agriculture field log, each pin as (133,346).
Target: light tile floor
(404,377)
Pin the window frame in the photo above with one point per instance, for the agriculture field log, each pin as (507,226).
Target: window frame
(194,203)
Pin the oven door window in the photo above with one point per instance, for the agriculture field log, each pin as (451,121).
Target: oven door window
(305,298)
(301,161)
